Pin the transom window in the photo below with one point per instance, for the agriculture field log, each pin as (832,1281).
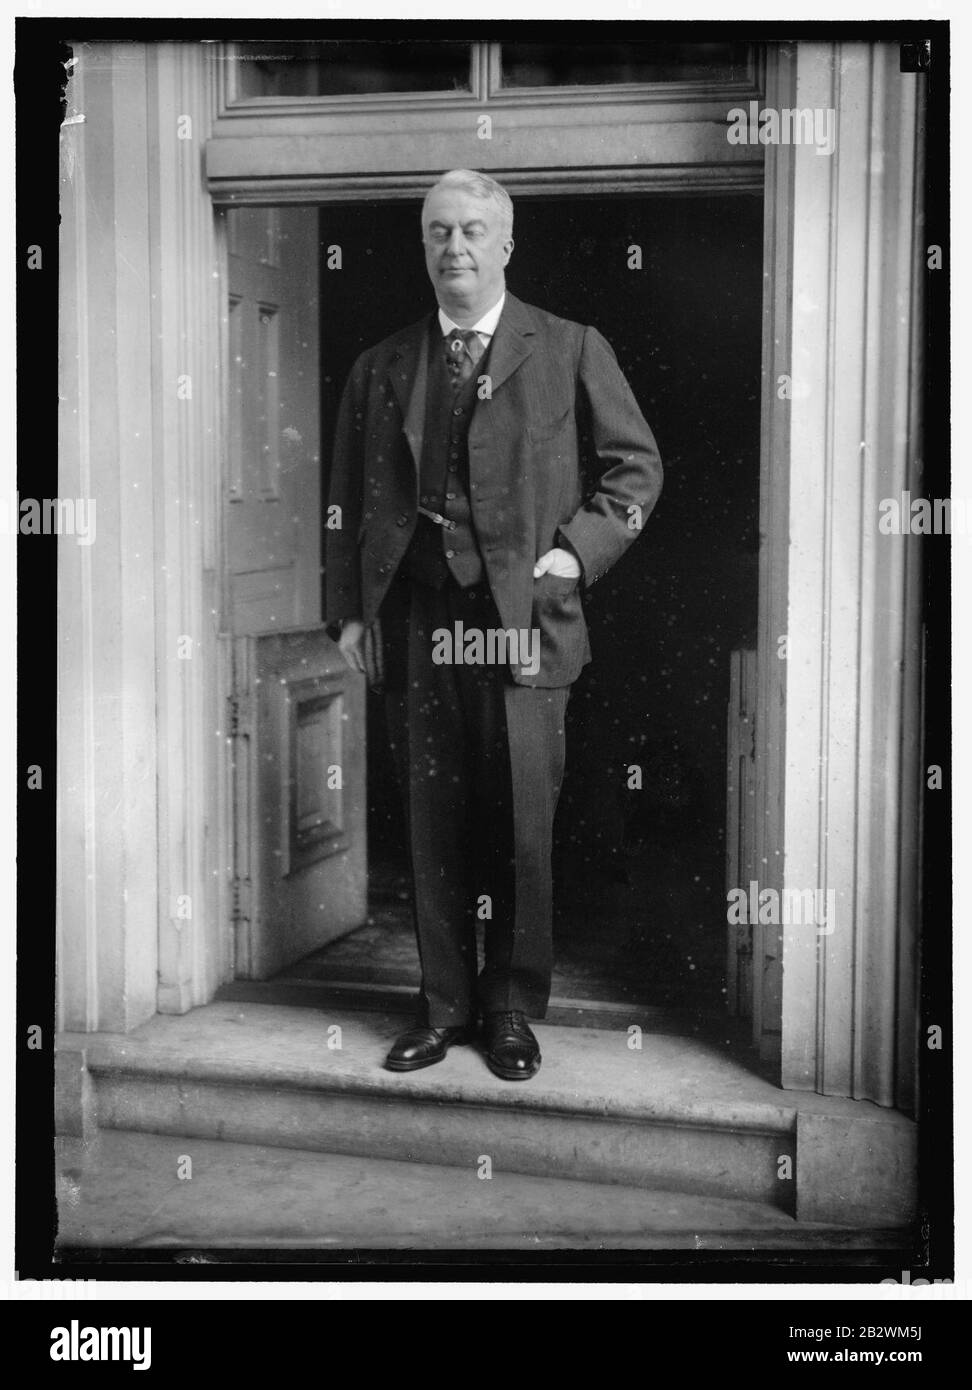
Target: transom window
(600,64)
(331,69)
(299,70)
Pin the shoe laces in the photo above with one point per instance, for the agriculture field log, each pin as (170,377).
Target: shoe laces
(512,1020)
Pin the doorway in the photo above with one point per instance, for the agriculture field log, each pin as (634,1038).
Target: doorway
(675,284)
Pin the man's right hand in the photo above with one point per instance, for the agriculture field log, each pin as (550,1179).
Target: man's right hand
(351,643)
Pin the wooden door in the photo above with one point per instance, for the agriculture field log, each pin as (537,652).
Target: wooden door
(297,713)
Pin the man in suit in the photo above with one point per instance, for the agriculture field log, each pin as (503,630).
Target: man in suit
(466,535)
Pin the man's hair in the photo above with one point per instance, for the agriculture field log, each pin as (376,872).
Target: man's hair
(480,186)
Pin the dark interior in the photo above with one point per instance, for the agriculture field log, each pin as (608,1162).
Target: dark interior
(639,873)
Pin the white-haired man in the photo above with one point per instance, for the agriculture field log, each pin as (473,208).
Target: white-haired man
(465,511)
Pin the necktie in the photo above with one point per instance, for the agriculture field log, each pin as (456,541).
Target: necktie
(464,348)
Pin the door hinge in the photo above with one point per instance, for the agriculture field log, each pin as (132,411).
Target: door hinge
(239,716)
(747,736)
(242,892)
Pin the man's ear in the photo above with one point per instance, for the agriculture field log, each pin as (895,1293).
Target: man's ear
(508,248)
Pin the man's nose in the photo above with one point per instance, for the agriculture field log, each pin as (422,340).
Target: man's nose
(456,243)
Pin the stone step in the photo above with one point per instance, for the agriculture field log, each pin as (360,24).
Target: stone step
(678,1115)
(598,1111)
(124,1191)
(370,993)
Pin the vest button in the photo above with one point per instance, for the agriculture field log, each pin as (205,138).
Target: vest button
(453,468)
(402,520)
(450,496)
(458,410)
(451,554)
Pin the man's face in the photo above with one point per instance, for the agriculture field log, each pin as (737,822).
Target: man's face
(465,249)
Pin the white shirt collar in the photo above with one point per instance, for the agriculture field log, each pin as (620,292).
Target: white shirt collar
(486,326)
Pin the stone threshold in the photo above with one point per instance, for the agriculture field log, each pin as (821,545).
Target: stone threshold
(367,990)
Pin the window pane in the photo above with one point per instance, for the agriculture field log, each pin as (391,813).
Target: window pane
(590,65)
(350,69)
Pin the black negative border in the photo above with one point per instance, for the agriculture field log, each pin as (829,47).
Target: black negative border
(41,50)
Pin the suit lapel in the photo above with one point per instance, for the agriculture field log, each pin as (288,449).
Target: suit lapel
(408,373)
(511,344)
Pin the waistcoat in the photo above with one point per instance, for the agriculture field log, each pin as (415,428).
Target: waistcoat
(437,551)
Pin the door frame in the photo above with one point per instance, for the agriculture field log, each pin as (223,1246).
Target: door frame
(848,1036)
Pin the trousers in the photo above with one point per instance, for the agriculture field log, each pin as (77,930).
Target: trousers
(481,761)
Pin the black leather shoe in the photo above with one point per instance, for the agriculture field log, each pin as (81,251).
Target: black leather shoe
(512,1051)
(423,1047)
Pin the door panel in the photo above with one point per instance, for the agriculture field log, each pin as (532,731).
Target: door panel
(299,773)
(273,490)
(298,714)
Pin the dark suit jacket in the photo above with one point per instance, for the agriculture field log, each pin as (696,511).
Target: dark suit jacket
(526,482)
